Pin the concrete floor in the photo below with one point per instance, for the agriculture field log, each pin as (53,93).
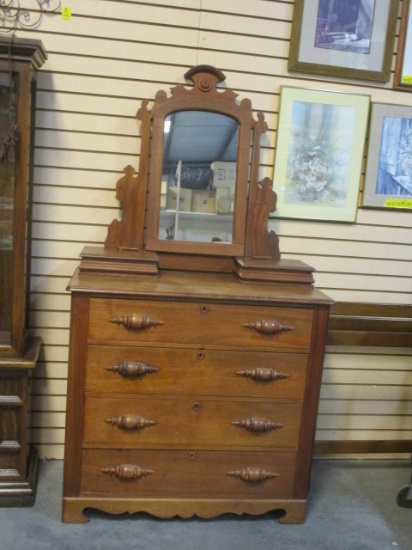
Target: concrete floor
(352,506)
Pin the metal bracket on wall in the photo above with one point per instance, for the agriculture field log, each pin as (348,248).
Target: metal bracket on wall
(14,14)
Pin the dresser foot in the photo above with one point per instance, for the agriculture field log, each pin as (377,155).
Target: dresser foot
(73,511)
(295,512)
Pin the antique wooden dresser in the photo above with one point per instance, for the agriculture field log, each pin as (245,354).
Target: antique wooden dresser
(195,362)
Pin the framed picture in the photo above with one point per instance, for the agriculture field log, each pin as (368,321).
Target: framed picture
(388,181)
(403,67)
(349,38)
(319,153)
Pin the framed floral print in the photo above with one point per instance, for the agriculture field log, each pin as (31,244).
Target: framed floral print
(319,153)
(388,180)
(349,38)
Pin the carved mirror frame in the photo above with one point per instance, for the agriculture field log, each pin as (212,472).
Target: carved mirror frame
(140,194)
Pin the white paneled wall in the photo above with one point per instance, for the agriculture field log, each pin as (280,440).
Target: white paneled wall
(101,64)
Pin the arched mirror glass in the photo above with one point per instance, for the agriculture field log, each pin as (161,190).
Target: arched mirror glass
(198,176)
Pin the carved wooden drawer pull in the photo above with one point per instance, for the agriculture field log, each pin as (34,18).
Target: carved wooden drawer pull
(257,424)
(130,422)
(127,471)
(132,369)
(136,322)
(252,474)
(266,326)
(262,374)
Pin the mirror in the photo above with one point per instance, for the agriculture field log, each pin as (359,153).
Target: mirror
(208,135)
(198,177)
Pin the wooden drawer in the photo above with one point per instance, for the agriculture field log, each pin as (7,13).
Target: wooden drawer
(13,384)
(13,425)
(191,421)
(161,371)
(187,473)
(140,321)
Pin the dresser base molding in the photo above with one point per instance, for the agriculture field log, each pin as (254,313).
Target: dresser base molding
(287,511)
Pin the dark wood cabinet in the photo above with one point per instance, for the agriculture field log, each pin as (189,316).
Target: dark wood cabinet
(19,61)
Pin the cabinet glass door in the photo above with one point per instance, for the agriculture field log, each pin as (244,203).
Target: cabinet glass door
(8,153)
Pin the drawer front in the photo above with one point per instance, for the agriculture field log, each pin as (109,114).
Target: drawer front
(191,421)
(199,324)
(14,386)
(13,425)
(187,473)
(165,371)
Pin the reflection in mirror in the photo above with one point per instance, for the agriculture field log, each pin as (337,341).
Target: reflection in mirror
(198,177)
(8,140)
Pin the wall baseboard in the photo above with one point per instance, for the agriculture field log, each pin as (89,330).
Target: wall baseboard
(323,448)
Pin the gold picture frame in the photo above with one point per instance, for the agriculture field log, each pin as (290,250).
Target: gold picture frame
(402,79)
(327,40)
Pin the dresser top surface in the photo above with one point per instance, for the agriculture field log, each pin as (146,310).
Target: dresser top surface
(189,285)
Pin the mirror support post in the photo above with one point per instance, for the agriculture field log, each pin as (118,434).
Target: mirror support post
(128,233)
(259,242)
